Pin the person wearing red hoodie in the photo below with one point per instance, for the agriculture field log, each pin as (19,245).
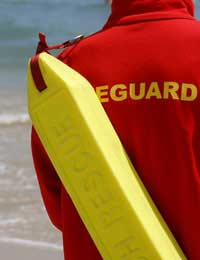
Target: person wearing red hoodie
(144,65)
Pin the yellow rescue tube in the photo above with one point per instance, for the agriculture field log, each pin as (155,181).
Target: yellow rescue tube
(94,168)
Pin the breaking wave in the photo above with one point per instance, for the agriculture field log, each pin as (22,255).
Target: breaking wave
(13,119)
(31,243)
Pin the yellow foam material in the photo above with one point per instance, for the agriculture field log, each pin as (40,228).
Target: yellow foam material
(94,168)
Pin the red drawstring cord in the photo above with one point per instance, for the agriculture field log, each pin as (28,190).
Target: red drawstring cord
(44,47)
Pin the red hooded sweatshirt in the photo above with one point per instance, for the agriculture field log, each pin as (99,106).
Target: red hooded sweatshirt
(145,68)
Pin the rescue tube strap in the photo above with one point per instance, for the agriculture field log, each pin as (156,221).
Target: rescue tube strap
(44,47)
(36,73)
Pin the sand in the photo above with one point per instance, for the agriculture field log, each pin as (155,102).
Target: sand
(19,251)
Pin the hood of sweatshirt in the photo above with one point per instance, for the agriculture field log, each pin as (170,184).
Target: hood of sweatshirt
(124,11)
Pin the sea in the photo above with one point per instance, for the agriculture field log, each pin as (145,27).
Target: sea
(23,218)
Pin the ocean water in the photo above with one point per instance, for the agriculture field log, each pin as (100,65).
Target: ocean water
(23,218)
(22,215)
(21,20)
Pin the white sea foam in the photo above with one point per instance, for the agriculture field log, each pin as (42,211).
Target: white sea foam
(30,243)
(5,222)
(3,168)
(10,119)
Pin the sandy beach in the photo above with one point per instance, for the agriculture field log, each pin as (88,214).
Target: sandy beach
(26,232)
(24,251)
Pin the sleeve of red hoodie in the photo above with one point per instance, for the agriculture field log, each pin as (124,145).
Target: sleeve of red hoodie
(49,182)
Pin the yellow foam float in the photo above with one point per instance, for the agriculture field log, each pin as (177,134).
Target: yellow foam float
(94,168)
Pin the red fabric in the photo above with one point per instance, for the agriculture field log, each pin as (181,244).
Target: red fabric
(49,182)
(42,44)
(36,73)
(152,46)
